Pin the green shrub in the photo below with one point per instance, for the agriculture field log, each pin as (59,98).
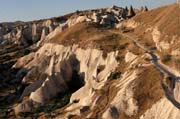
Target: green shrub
(119,58)
(57,103)
(26,51)
(114,76)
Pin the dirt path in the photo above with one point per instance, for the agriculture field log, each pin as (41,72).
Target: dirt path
(162,68)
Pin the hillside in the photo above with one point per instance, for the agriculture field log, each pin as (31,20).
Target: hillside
(158,29)
(109,63)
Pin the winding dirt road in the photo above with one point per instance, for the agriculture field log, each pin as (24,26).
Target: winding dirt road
(162,68)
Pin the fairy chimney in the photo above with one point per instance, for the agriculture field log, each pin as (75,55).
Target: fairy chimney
(145,9)
(131,12)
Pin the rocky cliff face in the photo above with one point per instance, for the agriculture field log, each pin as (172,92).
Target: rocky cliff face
(32,77)
(56,70)
(51,76)
(88,64)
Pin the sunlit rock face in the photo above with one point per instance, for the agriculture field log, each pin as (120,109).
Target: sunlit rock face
(50,76)
(51,70)
(28,33)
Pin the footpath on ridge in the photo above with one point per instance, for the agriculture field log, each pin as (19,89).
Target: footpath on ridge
(166,70)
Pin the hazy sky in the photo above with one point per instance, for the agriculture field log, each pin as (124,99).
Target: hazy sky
(25,10)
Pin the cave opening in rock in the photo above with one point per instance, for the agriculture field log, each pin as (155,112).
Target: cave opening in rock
(69,67)
(77,80)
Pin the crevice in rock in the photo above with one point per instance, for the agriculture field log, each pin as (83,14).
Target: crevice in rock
(76,82)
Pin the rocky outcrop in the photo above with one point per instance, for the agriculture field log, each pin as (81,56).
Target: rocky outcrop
(164,45)
(144,9)
(168,106)
(131,12)
(50,69)
(51,75)
(165,110)
(129,57)
(28,33)
(124,100)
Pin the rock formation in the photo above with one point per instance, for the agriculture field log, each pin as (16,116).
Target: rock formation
(131,12)
(80,66)
(144,9)
(29,33)
(55,71)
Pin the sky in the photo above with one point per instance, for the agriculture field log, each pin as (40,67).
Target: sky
(27,10)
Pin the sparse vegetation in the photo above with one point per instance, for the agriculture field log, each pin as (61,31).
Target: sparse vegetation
(148,89)
(119,58)
(50,109)
(166,58)
(114,76)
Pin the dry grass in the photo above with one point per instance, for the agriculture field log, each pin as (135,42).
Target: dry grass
(148,89)
(170,60)
(80,33)
(166,18)
(90,35)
